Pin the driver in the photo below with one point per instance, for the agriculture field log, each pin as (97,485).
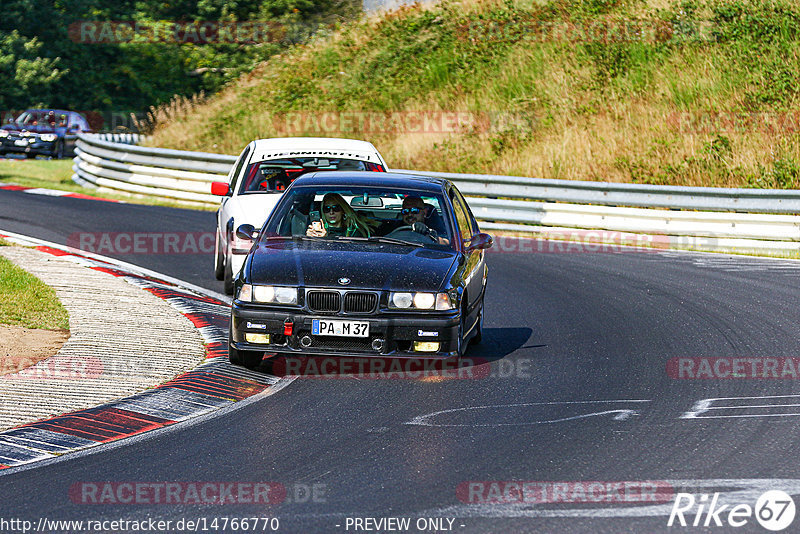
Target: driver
(413,213)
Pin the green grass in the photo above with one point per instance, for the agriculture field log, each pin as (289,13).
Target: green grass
(26,301)
(57,174)
(580,109)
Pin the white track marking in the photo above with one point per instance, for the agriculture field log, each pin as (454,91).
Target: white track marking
(621,414)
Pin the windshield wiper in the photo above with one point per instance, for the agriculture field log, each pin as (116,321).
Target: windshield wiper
(290,238)
(377,239)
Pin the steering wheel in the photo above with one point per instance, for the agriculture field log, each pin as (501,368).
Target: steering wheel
(408,229)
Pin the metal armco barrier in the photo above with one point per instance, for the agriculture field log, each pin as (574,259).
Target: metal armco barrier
(158,172)
(740,220)
(124,138)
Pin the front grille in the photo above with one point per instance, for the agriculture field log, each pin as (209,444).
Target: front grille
(324,301)
(341,344)
(360,302)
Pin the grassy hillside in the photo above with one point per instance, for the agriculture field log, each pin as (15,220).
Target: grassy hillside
(652,91)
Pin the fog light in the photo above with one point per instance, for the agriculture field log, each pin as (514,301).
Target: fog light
(261,339)
(426,346)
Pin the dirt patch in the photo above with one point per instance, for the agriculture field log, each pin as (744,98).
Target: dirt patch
(22,347)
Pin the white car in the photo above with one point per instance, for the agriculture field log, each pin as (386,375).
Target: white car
(263,170)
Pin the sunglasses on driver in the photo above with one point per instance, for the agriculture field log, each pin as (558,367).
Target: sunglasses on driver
(332,209)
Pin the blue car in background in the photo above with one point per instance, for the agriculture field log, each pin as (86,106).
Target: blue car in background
(46,132)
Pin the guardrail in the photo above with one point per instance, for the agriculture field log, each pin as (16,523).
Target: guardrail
(124,138)
(159,172)
(711,218)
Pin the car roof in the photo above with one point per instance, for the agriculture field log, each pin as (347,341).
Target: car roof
(311,144)
(367,178)
(46,110)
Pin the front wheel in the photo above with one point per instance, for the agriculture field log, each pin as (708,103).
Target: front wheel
(219,260)
(249,359)
(478,337)
(228,277)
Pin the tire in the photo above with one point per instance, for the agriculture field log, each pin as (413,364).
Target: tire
(228,278)
(250,359)
(478,337)
(58,153)
(30,155)
(219,260)
(462,347)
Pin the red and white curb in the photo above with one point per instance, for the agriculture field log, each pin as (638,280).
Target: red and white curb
(213,385)
(51,192)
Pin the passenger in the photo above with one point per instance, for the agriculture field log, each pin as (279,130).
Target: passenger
(339,219)
(414,215)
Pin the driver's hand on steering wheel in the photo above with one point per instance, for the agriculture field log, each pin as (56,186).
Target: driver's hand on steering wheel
(420,228)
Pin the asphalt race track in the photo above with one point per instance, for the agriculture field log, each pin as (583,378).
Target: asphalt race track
(574,383)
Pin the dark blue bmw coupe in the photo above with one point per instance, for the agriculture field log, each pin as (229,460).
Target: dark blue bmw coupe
(353,264)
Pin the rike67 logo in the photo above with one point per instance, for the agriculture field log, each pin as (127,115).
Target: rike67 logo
(774,510)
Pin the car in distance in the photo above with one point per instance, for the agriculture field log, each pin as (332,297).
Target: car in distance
(46,132)
(384,289)
(264,169)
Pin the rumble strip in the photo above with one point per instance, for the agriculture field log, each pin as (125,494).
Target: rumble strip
(212,385)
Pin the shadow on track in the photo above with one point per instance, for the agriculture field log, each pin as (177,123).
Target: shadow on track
(497,344)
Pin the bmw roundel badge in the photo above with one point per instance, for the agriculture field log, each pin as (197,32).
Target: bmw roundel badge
(344,280)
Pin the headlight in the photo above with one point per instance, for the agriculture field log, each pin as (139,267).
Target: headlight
(421,301)
(286,295)
(3,133)
(268,294)
(424,301)
(400,300)
(48,137)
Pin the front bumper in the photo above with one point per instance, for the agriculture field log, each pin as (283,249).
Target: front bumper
(44,148)
(397,331)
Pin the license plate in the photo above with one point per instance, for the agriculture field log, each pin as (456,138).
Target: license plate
(325,327)
(21,142)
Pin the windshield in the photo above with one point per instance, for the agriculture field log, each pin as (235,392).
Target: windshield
(40,117)
(276,174)
(370,214)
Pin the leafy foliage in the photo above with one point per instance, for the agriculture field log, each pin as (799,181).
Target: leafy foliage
(44,61)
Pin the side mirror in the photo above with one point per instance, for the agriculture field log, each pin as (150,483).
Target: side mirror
(479,242)
(247,231)
(221,189)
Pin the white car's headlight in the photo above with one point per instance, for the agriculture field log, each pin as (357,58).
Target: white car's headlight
(3,133)
(421,301)
(48,137)
(268,294)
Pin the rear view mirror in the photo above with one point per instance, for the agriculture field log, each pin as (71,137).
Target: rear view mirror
(479,241)
(247,231)
(221,189)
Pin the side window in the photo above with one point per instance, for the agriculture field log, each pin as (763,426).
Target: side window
(462,217)
(237,169)
(470,216)
(81,122)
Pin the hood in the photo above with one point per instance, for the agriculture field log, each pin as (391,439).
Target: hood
(253,208)
(367,265)
(39,128)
